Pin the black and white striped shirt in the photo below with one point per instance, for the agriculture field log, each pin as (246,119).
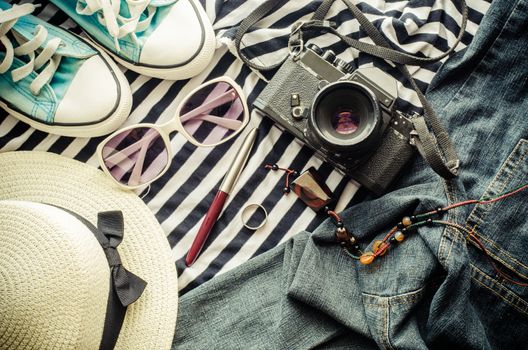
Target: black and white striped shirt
(182,196)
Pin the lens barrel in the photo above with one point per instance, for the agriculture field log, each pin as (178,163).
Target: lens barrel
(346,119)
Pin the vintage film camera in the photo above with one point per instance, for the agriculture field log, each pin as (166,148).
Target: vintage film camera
(345,115)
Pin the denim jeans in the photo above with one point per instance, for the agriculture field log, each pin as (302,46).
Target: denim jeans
(433,290)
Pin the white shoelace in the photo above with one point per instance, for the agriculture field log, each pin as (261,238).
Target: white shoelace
(47,55)
(108,14)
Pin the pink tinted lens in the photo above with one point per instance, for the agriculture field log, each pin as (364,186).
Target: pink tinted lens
(213,113)
(135,156)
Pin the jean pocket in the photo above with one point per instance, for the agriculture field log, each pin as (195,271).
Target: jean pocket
(400,321)
(501,226)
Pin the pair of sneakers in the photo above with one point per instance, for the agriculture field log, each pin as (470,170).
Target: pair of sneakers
(60,83)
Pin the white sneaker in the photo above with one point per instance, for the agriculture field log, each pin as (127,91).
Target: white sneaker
(166,39)
(55,81)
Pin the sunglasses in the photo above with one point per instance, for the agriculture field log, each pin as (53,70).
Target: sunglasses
(208,116)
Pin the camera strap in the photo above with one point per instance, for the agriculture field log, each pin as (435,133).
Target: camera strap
(248,22)
(436,146)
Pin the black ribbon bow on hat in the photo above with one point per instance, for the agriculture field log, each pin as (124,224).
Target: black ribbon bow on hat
(127,286)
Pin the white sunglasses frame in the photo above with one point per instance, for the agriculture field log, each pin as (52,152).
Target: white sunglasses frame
(175,125)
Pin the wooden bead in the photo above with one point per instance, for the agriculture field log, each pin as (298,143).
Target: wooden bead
(367,258)
(399,236)
(341,234)
(406,221)
(377,245)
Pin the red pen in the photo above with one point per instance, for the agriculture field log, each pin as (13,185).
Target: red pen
(225,189)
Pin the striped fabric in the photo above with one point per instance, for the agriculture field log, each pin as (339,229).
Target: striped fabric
(181,198)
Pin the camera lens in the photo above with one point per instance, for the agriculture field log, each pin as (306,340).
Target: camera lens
(346,121)
(346,118)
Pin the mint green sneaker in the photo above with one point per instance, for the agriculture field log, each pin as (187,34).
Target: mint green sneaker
(165,39)
(55,81)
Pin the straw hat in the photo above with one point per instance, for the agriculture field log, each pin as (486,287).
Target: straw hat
(60,278)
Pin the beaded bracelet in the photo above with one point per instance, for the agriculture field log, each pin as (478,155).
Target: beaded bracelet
(397,234)
(408,224)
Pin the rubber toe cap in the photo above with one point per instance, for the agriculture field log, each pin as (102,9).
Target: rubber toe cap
(179,38)
(92,96)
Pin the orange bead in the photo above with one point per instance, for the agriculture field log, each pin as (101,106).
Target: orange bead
(367,258)
(406,221)
(399,236)
(379,245)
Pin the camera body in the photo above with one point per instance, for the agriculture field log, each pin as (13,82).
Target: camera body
(345,115)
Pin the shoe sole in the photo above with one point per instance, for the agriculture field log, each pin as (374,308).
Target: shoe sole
(185,71)
(104,127)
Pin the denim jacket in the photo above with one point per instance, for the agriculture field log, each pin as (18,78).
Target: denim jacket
(436,289)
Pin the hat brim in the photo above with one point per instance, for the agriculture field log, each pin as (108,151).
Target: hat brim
(49,178)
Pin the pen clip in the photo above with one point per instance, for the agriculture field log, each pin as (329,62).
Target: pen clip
(239,162)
